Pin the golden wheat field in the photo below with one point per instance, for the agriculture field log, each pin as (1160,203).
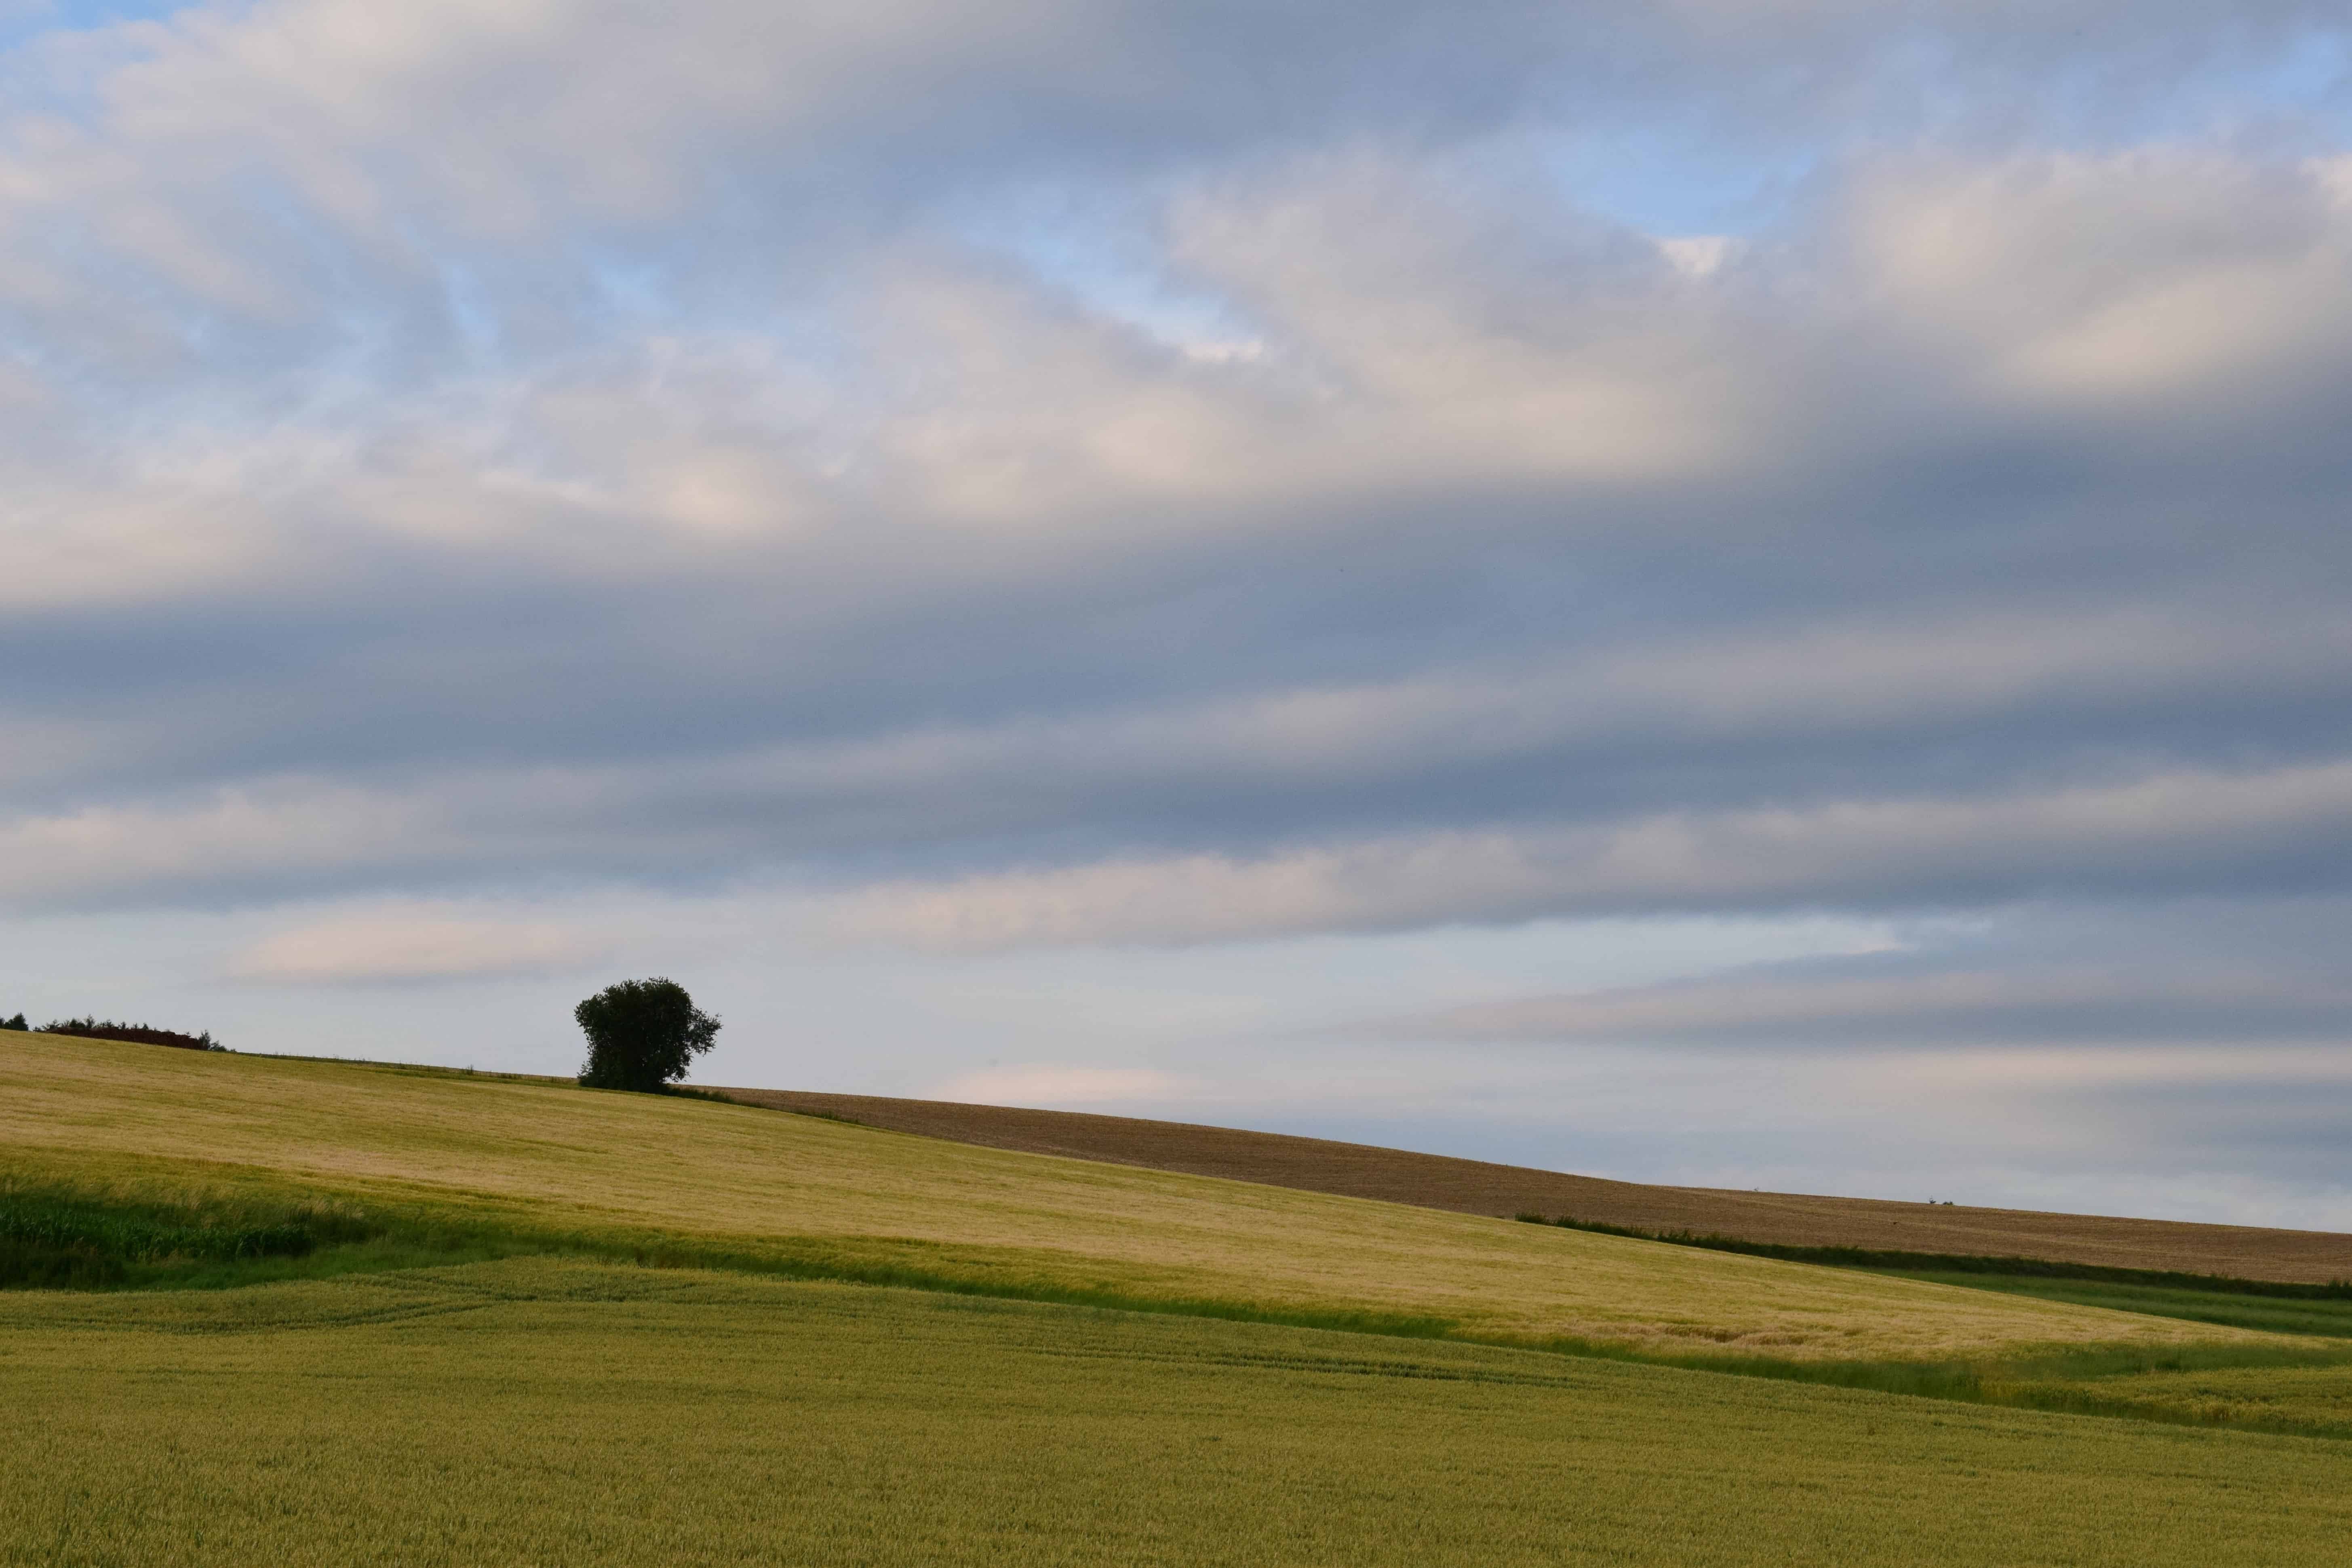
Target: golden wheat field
(760,1179)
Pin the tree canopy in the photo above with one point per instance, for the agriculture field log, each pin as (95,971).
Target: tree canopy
(641,1035)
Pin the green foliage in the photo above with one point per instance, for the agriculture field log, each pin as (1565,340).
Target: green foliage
(54,1236)
(641,1035)
(17,1023)
(137,1034)
(178,1235)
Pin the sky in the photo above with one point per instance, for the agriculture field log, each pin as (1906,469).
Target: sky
(1746,593)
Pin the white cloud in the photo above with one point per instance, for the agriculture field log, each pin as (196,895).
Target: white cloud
(2134,275)
(284,827)
(69,542)
(1698,255)
(2014,1004)
(1051,1084)
(408,944)
(1449,340)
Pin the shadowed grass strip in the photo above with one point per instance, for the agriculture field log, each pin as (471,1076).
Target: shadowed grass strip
(60,1239)
(2075,1380)
(55,1236)
(1943,1263)
(2326,1317)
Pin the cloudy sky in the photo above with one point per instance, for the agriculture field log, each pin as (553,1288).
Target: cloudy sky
(1743,592)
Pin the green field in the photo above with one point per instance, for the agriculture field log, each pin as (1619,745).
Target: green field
(2272,1314)
(713,1181)
(359,1314)
(2269,1306)
(543,1412)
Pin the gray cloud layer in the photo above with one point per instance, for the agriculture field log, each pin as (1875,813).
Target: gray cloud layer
(2029,1006)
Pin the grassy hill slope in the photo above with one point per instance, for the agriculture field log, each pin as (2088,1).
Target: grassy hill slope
(707,1180)
(1477,1186)
(551,1403)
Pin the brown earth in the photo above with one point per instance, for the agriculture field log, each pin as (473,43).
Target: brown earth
(1475,1186)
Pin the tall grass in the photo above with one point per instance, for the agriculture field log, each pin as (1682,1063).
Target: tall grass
(58,1236)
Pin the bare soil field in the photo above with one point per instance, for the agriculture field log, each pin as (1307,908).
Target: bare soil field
(1475,1186)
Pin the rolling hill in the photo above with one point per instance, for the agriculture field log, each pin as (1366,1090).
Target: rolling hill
(828,1198)
(478,1368)
(1477,1186)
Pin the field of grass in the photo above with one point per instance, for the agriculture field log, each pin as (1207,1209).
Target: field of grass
(540,1411)
(699,1181)
(2312,1399)
(419,1342)
(2267,1306)
(1482,1187)
(2330,1319)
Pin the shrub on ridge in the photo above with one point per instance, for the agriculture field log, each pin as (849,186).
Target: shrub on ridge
(643,1034)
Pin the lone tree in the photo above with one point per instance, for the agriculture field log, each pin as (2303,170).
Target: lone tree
(641,1035)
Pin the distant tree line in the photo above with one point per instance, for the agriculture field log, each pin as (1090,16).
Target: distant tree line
(106,1029)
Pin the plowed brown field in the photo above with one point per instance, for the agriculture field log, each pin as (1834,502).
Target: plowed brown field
(1475,1186)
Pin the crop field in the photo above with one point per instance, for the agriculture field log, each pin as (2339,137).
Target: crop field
(696,1179)
(2329,1319)
(538,1411)
(322,1313)
(1481,1187)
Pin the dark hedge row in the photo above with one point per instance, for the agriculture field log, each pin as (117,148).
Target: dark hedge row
(106,1029)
